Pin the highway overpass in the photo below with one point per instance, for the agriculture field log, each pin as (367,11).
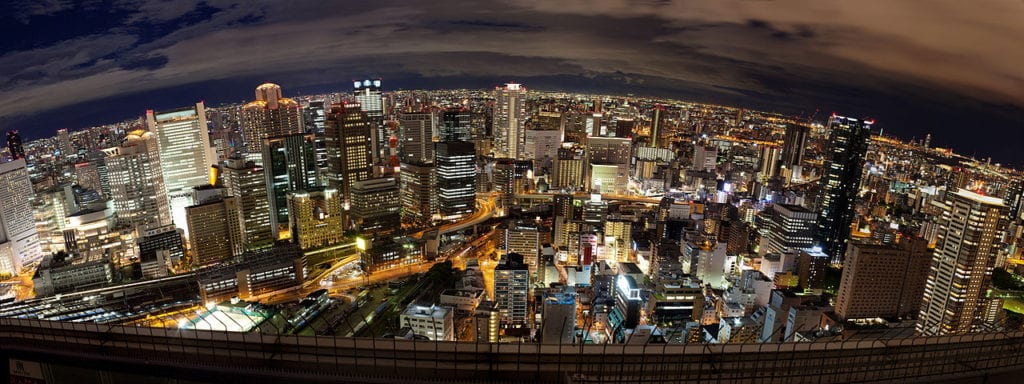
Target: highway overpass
(85,352)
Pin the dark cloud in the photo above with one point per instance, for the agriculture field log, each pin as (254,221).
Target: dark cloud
(919,69)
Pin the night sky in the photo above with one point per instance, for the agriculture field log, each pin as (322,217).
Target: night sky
(952,68)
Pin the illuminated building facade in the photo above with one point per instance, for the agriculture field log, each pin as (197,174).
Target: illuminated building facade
(216,226)
(289,166)
(371,101)
(185,154)
(348,147)
(19,241)
(844,164)
(137,182)
(956,293)
(270,114)
(376,206)
(455,164)
(316,217)
(245,181)
(509,118)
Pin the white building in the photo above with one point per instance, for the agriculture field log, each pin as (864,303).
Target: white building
(19,241)
(711,266)
(509,116)
(433,322)
(185,154)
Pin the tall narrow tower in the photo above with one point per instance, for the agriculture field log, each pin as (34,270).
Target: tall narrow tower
(509,116)
(956,293)
(841,182)
(185,154)
(269,115)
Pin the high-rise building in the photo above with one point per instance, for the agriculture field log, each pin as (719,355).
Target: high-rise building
(657,122)
(793,146)
(568,172)
(376,205)
(521,238)
(604,154)
(14,145)
(417,137)
(245,181)
(512,290)
(368,94)
(316,217)
(19,241)
(185,154)
(618,237)
(348,148)
(883,280)
(788,228)
(215,222)
(509,117)
(456,179)
(64,143)
(137,182)
(841,181)
(269,115)
(510,179)
(419,202)
(455,125)
(290,166)
(971,230)
(559,318)
(543,138)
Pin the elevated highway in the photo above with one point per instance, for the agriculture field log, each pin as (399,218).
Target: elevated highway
(80,352)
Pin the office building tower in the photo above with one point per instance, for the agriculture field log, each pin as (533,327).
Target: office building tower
(289,166)
(512,290)
(64,143)
(368,94)
(348,147)
(510,179)
(543,138)
(269,115)
(376,205)
(559,318)
(657,123)
(568,173)
(417,193)
(883,280)
(971,231)
(316,217)
(137,182)
(788,228)
(626,313)
(769,161)
(19,241)
(315,116)
(841,181)
(455,125)
(185,154)
(793,146)
(522,238)
(417,137)
(455,163)
(215,224)
(245,181)
(509,117)
(159,250)
(609,159)
(87,175)
(14,145)
(812,264)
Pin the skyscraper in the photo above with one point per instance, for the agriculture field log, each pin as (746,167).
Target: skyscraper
(456,178)
(368,94)
(14,145)
(417,137)
(19,242)
(376,205)
(971,230)
(185,154)
(64,143)
(348,147)
(269,115)
(512,290)
(245,181)
(793,148)
(568,168)
(609,163)
(455,125)
(215,222)
(137,182)
(419,200)
(883,280)
(789,228)
(657,120)
(290,166)
(841,182)
(509,116)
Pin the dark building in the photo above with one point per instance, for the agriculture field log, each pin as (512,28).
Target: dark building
(456,178)
(255,273)
(793,145)
(158,248)
(290,163)
(14,145)
(455,125)
(841,181)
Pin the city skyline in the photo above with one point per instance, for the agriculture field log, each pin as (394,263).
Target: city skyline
(133,57)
